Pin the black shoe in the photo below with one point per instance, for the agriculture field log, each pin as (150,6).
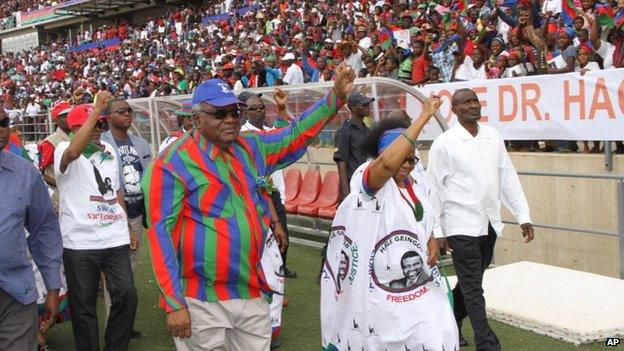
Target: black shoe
(135,334)
(462,341)
(275,343)
(290,274)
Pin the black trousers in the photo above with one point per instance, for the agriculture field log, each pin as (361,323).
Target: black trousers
(471,256)
(82,268)
(19,324)
(281,214)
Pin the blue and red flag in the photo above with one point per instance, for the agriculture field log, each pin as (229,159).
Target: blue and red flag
(568,12)
(619,18)
(15,146)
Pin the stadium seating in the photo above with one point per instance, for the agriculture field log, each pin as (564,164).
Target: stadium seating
(293,180)
(309,191)
(328,212)
(327,198)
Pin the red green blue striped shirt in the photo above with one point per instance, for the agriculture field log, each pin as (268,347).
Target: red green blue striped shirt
(206,213)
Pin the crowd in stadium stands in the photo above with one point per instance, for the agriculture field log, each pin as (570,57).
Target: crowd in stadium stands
(291,42)
(9,7)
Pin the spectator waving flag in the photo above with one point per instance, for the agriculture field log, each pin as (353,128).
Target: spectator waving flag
(462,5)
(505,3)
(619,18)
(385,38)
(15,146)
(568,11)
(605,15)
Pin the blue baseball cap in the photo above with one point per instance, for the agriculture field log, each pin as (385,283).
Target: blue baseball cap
(215,92)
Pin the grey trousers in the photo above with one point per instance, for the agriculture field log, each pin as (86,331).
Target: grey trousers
(18,324)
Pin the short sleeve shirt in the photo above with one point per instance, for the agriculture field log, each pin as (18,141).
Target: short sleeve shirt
(89,214)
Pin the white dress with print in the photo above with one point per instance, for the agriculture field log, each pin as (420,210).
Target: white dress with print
(377,292)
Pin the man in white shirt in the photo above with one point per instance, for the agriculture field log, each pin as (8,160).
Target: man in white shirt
(469,174)
(255,113)
(469,68)
(95,229)
(364,41)
(294,74)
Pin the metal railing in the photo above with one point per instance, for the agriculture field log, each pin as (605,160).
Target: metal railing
(34,128)
(619,205)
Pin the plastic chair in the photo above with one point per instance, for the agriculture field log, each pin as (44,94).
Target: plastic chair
(327,198)
(328,212)
(309,191)
(292,179)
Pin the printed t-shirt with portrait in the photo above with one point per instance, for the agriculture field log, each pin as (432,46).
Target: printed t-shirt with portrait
(132,172)
(89,214)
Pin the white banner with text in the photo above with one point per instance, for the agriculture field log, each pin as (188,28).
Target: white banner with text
(546,107)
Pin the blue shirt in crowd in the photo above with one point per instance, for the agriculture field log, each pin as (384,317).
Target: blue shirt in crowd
(25,203)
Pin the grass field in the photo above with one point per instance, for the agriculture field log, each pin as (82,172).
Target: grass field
(301,326)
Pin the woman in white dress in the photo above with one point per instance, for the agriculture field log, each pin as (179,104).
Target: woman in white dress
(380,287)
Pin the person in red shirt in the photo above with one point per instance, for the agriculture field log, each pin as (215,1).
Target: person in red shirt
(420,62)
(47,147)
(123,30)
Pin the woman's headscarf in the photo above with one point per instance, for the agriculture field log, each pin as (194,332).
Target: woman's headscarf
(387,138)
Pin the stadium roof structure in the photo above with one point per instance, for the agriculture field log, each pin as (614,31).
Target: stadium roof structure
(94,7)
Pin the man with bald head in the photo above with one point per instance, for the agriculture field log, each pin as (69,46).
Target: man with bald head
(469,174)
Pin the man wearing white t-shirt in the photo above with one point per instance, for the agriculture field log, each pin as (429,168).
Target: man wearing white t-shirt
(294,73)
(469,174)
(354,56)
(94,225)
(469,68)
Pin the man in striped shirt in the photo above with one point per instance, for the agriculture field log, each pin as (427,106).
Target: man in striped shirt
(208,216)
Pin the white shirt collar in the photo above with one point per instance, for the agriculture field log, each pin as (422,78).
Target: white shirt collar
(465,135)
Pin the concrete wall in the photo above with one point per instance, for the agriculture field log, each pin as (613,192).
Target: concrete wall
(573,202)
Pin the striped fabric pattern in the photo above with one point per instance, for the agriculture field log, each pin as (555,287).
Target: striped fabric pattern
(207,215)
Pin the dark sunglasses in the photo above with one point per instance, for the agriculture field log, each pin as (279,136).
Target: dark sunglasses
(101,124)
(255,108)
(123,110)
(222,114)
(5,122)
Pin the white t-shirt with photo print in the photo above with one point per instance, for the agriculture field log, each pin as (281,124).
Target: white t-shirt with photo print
(90,216)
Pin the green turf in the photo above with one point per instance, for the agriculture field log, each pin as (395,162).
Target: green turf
(301,326)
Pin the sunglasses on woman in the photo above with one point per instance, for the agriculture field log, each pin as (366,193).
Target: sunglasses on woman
(411,160)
